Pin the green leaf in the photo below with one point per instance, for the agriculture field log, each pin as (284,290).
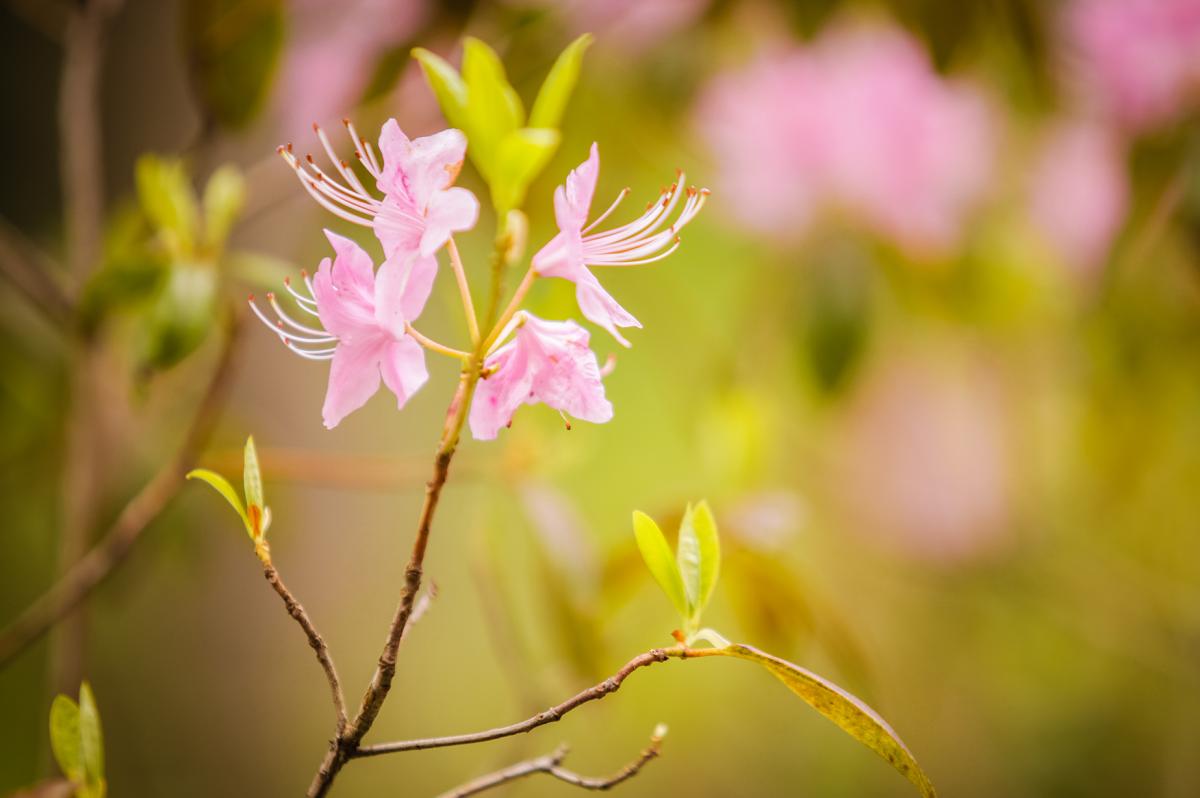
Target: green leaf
(559,84)
(493,108)
(234,48)
(168,200)
(118,284)
(252,478)
(699,556)
(523,154)
(65,739)
(447,85)
(852,715)
(222,486)
(224,195)
(182,315)
(91,742)
(657,555)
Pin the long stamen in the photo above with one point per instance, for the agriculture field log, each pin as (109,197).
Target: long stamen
(310,354)
(620,196)
(288,320)
(644,240)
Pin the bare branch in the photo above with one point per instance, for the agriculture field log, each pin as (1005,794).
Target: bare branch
(32,273)
(141,510)
(551,764)
(555,713)
(296,610)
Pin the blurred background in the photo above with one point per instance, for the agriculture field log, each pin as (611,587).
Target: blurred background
(932,352)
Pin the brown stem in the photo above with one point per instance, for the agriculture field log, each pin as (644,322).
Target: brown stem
(555,713)
(32,274)
(84,575)
(551,764)
(296,610)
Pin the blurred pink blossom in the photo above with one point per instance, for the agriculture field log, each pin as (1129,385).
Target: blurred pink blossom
(925,462)
(1138,60)
(1079,193)
(332,51)
(547,361)
(857,122)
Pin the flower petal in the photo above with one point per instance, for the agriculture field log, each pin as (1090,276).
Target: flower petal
(353,378)
(345,289)
(451,211)
(403,368)
(499,395)
(573,200)
(599,307)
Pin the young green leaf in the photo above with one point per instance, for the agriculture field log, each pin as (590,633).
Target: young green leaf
(522,156)
(252,480)
(493,108)
(65,739)
(224,195)
(168,200)
(703,528)
(222,486)
(852,715)
(560,82)
(657,554)
(447,85)
(91,740)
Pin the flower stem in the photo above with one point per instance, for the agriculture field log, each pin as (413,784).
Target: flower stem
(434,346)
(464,290)
(513,306)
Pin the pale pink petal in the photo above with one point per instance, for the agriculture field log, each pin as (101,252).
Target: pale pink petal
(432,164)
(561,257)
(353,377)
(419,286)
(498,395)
(390,286)
(394,147)
(573,200)
(599,307)
(451,211)
(398,227)
(344,289)
(403,368)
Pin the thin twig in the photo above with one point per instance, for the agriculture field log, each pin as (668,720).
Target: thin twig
(31,273)
(555,713)
(137,515)
(551,764)
(296,610)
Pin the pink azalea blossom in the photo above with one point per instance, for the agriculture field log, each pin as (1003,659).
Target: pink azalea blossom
(1079,194)
(364,316)
(420,208)
(1138,60)
(546,361)
(569,254)
(856,123)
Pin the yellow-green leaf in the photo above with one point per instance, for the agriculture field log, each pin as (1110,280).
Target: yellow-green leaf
(165,193)
(447,85)
(65,740)
(852,715)
(493,108)
(522,156)
(224,195)
(560,82)
(657,554)
(251,476)
(91,740)
(699,556)
(222,486)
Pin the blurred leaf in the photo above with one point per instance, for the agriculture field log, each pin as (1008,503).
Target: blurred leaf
(849,713)
(559,84)
(658,558)
(91,743)
(166,196)
(224,196)
(447,85)
(118,284)
(252,478)
(522,156)
(698,554)
(493,108)
(259,269)
(837,317)
(181,316)
(222,486)
(770,599)
(234,47)
(65,739)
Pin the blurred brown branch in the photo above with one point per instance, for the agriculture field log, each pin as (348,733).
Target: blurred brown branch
(296,610)
(551,764)
(31,272)
(83,576)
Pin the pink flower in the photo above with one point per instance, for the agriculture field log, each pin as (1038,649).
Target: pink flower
(569,253)
(857,123)
(420,208)
(547,361)
(365,318)
(1139,60)
(1080,193)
